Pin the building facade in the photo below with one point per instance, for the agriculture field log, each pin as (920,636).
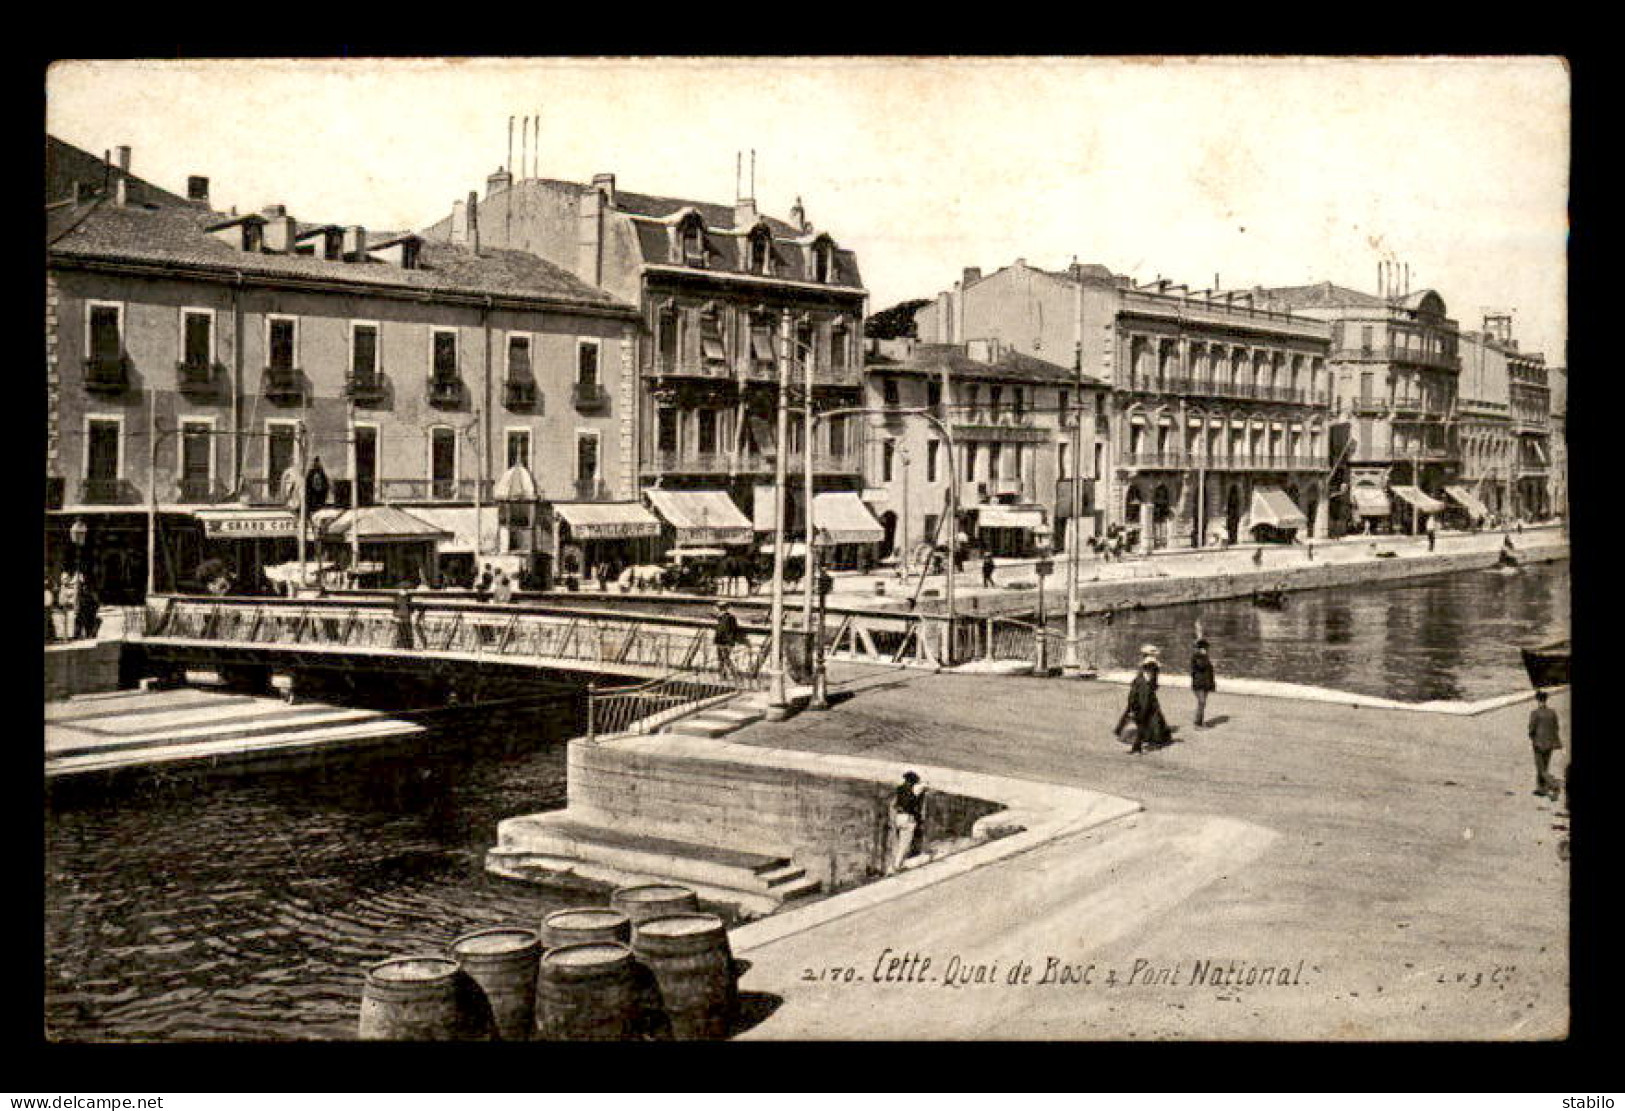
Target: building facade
(1017,434)
(1484,425)
(1217,424)
(726,296)
(1558,485)
(196,357)
(1395,363)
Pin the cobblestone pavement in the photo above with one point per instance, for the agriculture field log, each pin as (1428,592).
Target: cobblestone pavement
(1392,867)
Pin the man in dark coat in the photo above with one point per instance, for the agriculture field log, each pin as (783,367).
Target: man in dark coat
(1202,681)
(726,636)
(1150,727)
(987,571)
(1543,736)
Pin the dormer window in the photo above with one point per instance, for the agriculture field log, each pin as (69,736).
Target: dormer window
(409,254)
(761,253)
(692,238)
(253,236)
(823,261)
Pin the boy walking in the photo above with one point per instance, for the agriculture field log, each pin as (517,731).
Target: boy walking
(1202,681)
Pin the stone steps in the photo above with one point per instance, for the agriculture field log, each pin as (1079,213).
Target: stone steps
(560,844)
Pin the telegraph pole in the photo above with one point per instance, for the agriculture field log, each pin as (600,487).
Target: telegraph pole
(777,700)
(809,563)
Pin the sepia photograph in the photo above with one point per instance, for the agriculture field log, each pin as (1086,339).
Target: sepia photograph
(807,549)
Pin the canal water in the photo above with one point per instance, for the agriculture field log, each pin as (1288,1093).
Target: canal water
(246,909)
(1452,637)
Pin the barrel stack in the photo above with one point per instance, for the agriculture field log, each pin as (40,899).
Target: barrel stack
(422,999)
(693,969)
(502,961)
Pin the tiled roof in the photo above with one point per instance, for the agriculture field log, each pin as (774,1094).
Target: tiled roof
(176,235)
(66,164)
(1322,294)
(714,215)
(1010,366)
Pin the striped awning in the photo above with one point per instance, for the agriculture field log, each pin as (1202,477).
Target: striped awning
(842,518)
(607,520)
(1272,506)
(701,516)
(1370,501)
(1420,500)
(1468,501)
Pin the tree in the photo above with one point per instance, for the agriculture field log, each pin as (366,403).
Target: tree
(896,322)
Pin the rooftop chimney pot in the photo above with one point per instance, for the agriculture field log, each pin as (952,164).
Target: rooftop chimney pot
(498,182)
(605,184)
(197,189)
(123,158)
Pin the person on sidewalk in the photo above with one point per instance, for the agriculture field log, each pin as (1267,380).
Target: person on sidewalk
(50,606)
(1143,711)
(67,599)
(1202,681)
(502,589)
(85,621)
(1543,736)
(987,571)
(1433,535)
(907,810)
(727,635)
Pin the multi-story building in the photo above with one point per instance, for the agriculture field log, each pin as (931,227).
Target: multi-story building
(1532,424)
(1022,437)
(1395,364)
(194,357)
(1484,425)
(1216,427)
(725,294)
(1558,444)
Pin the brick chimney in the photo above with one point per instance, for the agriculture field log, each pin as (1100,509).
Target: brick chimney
(971,275)
(590,229)
(459,223)
(355,243)
(197,189)
(498,182)
(123,154)
(473,222)
(121,191)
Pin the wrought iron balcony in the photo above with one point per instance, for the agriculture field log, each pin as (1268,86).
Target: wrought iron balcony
(589,396)
(107,373)
(689,462)
(445,390)
(365,387)
(521,395)
(199,377)
(283,383)
(691,368)
(433,490)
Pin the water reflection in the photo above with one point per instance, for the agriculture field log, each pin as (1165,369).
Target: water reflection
(1447,637)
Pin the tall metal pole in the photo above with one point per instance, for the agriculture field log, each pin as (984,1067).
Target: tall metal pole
(152,496)
(953,509)
(355,504)
(1071,660)
(777,699)
(300,449)
(809,564)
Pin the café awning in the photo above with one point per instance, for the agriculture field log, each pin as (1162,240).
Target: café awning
(1468,501)
(841,518)
(247,524)
(382,524)
(471,531)
(607,520)
(1418,499)
(1010,516)
(1370,501)
(1272,506)
(701,516)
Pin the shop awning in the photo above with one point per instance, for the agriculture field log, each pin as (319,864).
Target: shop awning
(702,516)
(383,524)
(470,532)
(247,524)
(607,520)
(1272,506)
(842,518)
(516,484)
(1418,499)
(1010,516)
(1370,502)
(1468,501)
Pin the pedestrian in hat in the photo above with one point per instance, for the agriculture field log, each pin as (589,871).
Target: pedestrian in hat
(1543,737)
(1143,711)
(907,810)
(726,635)
(1202,681)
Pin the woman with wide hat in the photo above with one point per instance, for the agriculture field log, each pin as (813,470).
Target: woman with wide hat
(1144,712)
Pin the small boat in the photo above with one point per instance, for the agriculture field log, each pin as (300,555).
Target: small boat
(1547,664)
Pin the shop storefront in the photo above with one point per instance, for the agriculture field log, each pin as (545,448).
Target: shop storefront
(848,535)
(1275,517)
(1472,508)
(700,519)
(1370,508)
(590,536)
(397,549)
(1422,506)
(1010,530)
(246,540)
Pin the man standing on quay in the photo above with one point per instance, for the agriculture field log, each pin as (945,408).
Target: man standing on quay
(1543,735)
(907,807)
(1202,682)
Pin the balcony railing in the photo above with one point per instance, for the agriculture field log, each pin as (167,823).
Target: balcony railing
(432,490)
(105,491)
(826,462)
(589,396)
(690,368)
(689,462)
(199,377)
(1404,408)
(109,373)
(445,390)
(365,387)
(283,383)
(199,491)
(521,395)
(1207,387)
(1380,352)
(1187,461)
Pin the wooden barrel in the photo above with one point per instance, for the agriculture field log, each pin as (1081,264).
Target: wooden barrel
(580,925)
(692,965)
(654,900)
(421,999)
(587,993)
(502,960)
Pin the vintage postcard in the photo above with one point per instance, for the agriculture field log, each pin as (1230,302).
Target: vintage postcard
(807,548)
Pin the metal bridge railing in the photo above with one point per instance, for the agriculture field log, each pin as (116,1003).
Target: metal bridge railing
(616,710)
(673,649)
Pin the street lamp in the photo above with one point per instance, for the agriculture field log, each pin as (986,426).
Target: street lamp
(1044,568)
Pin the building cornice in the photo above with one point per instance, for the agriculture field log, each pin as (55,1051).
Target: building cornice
(753,281)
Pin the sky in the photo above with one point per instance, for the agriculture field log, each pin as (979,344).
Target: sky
(1259,172)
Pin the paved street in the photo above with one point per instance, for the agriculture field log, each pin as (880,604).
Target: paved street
(1399,856)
